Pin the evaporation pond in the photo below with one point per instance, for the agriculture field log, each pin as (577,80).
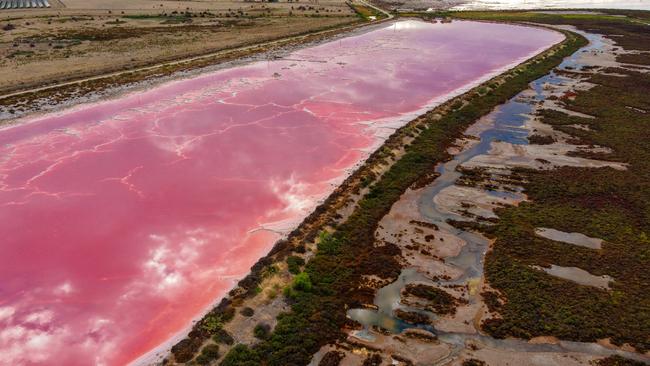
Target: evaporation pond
(123,220)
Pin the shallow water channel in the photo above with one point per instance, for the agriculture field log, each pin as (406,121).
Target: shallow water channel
(505,123)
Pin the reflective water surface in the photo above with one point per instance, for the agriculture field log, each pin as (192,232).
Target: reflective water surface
(122,221)
(506,123)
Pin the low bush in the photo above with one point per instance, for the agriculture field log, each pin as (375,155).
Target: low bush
(208,354)
(474,362)
(247,312)
(302,282)
(540,140)
(184,350)
(439,301)
(295,263)
(262,331)
(241,355)
(373,360)
(618,361)
(223,337)
(331,358)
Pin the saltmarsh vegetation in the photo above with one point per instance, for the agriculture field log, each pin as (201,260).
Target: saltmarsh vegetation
(606,203)
(294,263)
(618,361)
(601,202)
(366,12)
(343,257)
(208,354)
(439,301)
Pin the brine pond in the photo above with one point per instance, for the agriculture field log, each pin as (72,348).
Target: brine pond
(124,220)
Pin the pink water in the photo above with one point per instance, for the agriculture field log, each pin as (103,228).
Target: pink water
(121,221)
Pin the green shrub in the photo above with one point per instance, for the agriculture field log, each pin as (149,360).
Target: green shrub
(208,354)
(289,293)
(327,244)
(222,336)
(211,350)
(241,355)
(262,331)
(212,323)
(294,263)
(302,282)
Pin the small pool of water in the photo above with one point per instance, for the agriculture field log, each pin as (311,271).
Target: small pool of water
(578,239)
(387,301)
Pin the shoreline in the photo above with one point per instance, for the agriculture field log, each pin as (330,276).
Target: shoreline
(354,169)
(443,168)
(346,186)
(185,68)
(453,329)
(110,93)
(115,93)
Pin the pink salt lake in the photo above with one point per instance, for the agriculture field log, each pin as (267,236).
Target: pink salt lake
(123,220)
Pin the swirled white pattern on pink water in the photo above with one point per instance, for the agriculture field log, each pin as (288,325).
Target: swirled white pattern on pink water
(123,220)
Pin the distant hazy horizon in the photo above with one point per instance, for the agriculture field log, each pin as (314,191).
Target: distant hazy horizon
(554,4)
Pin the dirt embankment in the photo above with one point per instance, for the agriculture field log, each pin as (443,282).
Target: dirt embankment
(494,184)
(260,290)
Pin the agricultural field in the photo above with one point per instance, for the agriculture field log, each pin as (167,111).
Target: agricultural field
(82,39)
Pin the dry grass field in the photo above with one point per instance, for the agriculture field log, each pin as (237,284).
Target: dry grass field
(76,39)
(71,7)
